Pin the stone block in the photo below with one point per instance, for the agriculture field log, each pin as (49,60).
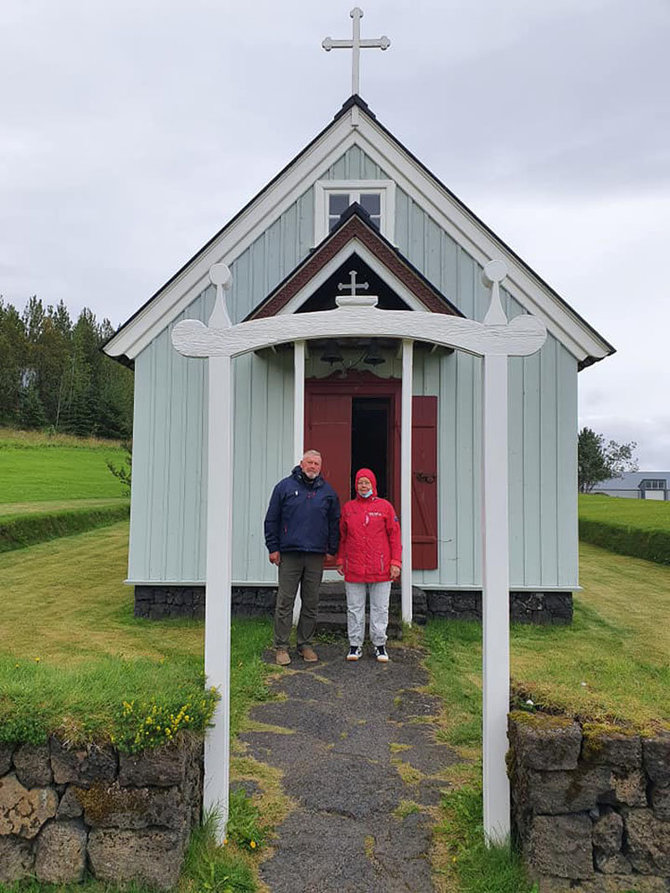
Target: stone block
(82,766)
(611,748)
(656,758)
(561,846)
(69,806)
(608,832)
(150,857)
(32,765)
(620,883)
(612,863)
(660,801)
(631,788)
(16,859)
(23,811)
(545,742)
(6,752)
(648,842)
(133,808)
(60,854)
(162,767)
(554,793)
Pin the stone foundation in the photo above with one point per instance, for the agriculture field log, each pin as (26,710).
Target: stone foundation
(65,812)
(158,602)
(525,607)
(590,805)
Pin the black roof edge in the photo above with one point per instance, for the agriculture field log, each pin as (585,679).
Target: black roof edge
(356,210)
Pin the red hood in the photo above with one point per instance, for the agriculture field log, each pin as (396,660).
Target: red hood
(366,473)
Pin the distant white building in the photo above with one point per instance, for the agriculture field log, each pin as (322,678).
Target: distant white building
(637,485)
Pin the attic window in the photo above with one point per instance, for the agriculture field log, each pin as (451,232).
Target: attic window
(333,197)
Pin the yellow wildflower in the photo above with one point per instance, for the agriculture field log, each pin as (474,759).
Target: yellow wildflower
(252,844)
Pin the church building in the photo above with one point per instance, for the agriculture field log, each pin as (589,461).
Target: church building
(356,212)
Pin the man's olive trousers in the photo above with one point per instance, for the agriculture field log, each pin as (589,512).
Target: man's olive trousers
(304,569)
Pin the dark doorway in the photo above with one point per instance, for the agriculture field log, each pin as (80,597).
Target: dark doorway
(370,428)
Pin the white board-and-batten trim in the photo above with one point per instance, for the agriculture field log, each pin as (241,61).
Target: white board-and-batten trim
(299,178)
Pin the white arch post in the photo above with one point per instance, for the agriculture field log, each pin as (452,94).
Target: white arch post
(495,340)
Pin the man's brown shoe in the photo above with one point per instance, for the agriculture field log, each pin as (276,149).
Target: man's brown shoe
(282,657)
(309,654)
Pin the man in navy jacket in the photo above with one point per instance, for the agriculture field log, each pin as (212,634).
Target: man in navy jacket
(302,526)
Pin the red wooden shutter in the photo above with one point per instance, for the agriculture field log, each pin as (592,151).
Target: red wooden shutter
(328,430)
(424,483)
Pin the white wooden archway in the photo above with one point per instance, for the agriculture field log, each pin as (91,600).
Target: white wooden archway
(494,340)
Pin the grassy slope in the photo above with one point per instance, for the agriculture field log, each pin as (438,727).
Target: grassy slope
(66,605)
(17,509)
(610,663)
(647,514)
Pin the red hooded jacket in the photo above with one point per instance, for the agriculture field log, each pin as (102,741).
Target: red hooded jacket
(369,537)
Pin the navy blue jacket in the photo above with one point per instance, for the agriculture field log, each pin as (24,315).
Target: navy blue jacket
(303,516)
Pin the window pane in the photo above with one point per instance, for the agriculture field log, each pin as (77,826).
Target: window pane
(372,203)
(337,204)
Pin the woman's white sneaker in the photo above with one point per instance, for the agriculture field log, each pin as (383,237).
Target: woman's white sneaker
(355,653)
(380,654)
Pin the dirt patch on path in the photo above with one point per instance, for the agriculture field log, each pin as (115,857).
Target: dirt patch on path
(363,765)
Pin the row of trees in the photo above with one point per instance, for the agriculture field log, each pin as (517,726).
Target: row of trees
(53,373)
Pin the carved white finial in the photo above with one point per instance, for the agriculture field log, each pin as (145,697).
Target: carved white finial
(383,43)
(222,278)
(492,275)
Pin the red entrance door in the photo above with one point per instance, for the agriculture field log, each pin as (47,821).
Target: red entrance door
(328,428)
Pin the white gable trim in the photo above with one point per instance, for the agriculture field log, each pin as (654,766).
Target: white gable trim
(351,248)
(398,165)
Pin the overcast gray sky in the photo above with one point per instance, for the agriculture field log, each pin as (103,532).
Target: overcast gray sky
(132,130)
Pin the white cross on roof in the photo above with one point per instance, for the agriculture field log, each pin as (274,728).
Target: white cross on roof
(383,43)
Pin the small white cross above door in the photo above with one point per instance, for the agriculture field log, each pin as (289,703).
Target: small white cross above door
(356,44)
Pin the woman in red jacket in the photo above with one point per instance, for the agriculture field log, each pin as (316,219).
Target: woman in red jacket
(369,556)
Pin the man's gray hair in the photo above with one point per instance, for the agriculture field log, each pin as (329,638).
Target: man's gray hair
(312,453)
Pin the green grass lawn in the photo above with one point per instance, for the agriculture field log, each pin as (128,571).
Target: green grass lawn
(37,468)
(71,647)
(10,510)
(646,514)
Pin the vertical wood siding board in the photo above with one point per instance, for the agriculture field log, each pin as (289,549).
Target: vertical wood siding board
(450,278)
(173,470)
(567,465)
(241,466)
(306,239)
(532,470)
(157,472)
(466,457)
(433,260)
(203,477)
(446,472)
(200,470)
(515,409)
(477,489)
(273,266)
(417,245)
(401,215)
(292,241)
(192,398)
(262,392)
(139,503)
(549,433)
(466,284)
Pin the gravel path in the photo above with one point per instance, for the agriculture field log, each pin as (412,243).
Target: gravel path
(363,743)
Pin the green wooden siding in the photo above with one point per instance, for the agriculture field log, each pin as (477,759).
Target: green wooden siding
(169,463)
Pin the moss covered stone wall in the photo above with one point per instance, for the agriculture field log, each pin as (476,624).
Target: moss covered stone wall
(65,812)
